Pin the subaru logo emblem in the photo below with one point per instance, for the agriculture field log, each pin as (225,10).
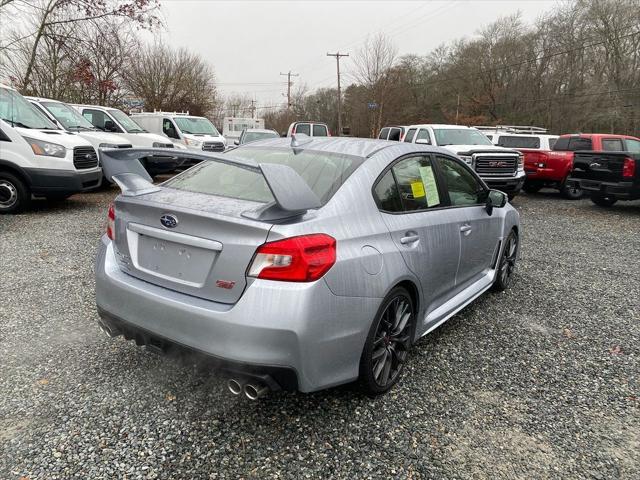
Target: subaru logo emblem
(169,221)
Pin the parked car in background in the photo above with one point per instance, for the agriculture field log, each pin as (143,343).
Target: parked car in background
(500,168)
(395,133)
(37,158)
(252,134)
(116,121)
(556,166)
(68,118)
(311,129)
(302,263)
(611,174)
(195,133)
(232,127)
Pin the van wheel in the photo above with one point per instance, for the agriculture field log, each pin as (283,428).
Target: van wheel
(14,194)
(571,190)
(388,343)
(603,200)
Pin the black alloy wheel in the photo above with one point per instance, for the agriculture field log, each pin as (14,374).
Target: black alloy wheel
(507,264)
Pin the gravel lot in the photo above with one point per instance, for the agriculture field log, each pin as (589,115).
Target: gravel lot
(540,381)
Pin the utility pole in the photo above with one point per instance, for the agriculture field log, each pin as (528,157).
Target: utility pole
(338,55)
(253,109)
(289,83)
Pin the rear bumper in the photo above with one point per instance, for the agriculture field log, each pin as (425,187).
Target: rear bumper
(621,190)
(510,185)
(301,328)
(46,181)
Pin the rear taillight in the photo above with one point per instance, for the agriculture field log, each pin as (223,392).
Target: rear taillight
(297,259)
(111,222)
(629,168)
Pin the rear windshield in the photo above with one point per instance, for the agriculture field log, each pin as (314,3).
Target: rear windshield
(518,141)
(572,144)
(323,172)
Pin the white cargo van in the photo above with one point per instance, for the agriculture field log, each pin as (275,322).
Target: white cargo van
(232,127)
(113,120)
(68,118)
(195,133)
(37,158)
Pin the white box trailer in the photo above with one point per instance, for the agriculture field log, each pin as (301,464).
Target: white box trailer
(232,127)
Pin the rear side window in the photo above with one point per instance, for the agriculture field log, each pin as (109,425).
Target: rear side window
(612,145)
(512,141)
(552,142)
(304,128)
(409,136)
(633,146)
(394,134)
(323,172)
(572,144)
(319,131)
(384,133)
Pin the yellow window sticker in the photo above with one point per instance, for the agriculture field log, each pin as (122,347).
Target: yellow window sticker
(429,184)
(417,189)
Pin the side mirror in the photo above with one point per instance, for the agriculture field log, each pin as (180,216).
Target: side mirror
(109,126)
(495,199)
(236,142)
(423,141)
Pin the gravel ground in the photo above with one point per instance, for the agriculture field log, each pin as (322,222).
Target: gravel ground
(540,381)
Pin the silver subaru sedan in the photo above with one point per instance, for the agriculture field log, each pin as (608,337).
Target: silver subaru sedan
(300,263)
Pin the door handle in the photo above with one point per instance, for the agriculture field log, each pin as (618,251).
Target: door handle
(466,229)
(409,239)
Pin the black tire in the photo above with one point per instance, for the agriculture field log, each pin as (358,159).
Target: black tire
(603,200)
(14,194)
(571,190)
(388,343)
(532,187)
(511,196)
(507,263)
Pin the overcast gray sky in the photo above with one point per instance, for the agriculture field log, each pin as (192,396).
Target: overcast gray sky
(249,43)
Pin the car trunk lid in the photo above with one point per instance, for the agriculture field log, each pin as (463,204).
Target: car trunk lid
(193,243)
(602,166)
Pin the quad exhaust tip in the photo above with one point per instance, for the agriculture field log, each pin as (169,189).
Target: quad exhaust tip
(255,391)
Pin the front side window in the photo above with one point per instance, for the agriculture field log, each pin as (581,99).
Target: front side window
(303,128)
(463,187)
(460,136)
(319,131)
(68,116)
(127,123)
(612,145)
(18,112)
(196,126)
(169,129)
(633,146)
(96,117)
(394,134)
(513,141)
(410,134)
(384,133)
(423,134)
(323,172)
(386,194)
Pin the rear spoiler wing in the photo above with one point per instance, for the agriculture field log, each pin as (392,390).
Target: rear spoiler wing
(291,193)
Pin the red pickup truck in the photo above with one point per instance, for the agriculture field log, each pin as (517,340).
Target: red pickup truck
(552,168)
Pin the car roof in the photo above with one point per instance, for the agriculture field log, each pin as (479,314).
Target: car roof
(359,147)
(42,99)
(593,135)
(95,107)
(442,126)
(540,135)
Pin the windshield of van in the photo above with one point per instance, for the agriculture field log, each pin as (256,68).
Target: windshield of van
(18,112)
(68,116)
(460,136)
(323,172)
(127,123)
(196,126)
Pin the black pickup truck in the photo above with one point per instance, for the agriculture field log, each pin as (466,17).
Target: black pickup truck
(609,176)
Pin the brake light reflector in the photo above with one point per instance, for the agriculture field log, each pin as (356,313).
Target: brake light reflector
(111,222)
(297,259)
(629,168)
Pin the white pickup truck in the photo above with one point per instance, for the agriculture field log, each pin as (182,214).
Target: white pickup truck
(500,168)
